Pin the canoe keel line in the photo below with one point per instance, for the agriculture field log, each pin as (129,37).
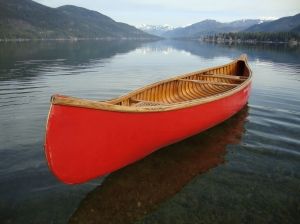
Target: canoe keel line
(86,139)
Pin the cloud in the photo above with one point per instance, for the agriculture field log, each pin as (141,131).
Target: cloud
(220,5)
(178,12)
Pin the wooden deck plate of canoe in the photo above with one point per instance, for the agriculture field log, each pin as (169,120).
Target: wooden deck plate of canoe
(86,139)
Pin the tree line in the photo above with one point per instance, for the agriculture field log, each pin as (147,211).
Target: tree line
(274,37)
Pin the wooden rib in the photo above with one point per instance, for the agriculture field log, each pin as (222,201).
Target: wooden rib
(218,88)
(196,90)
(176,91)
(221,70)
(165,92)
(157,93)
(204,89)
(227,72)
(140,95)
(213,89)
(200,90)
(172,92)
(157,97)
(188,90)
(154,93)
(203,93)
(193,90)
(233,69)
(161,91)
(230,70)
(150,94)
(177,95)
(169,91)
(210,89)
(182,92)
(147,94)
(208,82)
(223,88)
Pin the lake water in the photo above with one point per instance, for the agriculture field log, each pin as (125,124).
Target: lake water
(246,170)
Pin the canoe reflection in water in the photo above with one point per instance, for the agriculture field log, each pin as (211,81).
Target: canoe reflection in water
(128,194)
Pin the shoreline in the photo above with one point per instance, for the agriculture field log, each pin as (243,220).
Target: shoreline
(74,39)
(226,41)
(292,43)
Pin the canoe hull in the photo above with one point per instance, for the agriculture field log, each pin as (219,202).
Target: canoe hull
(83,143)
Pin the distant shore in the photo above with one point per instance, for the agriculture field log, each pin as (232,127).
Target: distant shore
(226,41)
(205,39)
(290,38)
(74,39)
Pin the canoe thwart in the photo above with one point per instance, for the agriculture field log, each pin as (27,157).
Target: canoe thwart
(208,82)
(234,77)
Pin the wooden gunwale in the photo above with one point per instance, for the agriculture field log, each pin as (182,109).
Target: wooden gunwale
(112,105)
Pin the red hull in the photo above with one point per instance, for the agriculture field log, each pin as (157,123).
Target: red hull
(83,143)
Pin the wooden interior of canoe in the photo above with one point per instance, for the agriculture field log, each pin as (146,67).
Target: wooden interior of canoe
(174,93)
(192,86)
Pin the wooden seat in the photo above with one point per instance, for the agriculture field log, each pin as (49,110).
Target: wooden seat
(145,103)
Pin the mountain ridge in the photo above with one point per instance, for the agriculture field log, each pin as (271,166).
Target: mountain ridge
(156,30)
(284,24)
(210,26)
(28,19)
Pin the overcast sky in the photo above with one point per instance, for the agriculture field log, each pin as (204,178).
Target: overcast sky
(184,12)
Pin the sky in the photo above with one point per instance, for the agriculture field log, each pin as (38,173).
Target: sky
(184,12)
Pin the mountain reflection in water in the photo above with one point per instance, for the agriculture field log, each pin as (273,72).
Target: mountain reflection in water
(259,183)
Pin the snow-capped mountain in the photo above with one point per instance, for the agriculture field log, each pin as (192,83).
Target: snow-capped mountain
(157,30)
(209,26)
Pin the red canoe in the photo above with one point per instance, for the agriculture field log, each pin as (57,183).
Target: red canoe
(87,139)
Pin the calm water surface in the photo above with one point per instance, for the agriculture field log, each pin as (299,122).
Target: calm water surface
(254,158)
